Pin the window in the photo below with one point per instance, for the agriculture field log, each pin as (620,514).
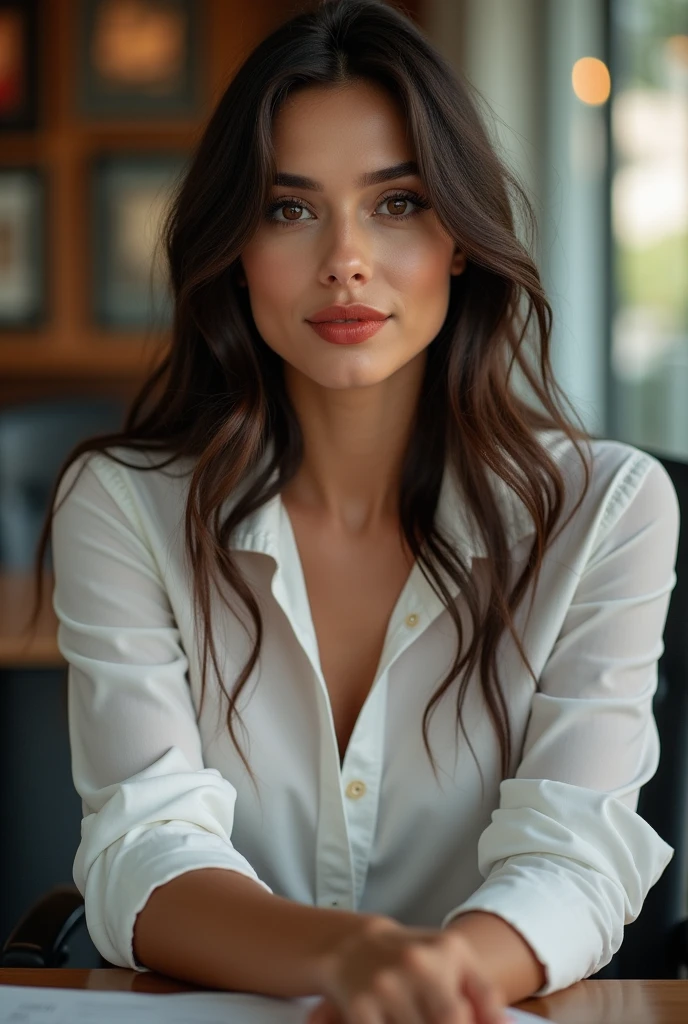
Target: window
(649,223)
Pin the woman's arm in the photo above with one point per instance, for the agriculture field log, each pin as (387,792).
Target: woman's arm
(508,960)
(221,929)
(566,859)
(151,810)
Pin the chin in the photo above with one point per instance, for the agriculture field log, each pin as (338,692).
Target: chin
(353,377)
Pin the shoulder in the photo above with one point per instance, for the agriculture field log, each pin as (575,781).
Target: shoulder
(620,476)
(135,480)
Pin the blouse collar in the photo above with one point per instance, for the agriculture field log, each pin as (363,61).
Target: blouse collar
(263,530)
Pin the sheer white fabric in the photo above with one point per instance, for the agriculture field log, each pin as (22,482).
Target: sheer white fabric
(557,849)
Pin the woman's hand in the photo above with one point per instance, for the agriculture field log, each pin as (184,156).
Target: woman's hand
(393,974)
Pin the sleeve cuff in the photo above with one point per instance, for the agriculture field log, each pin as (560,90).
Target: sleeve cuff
(528,907)
(122,879)
(567,868)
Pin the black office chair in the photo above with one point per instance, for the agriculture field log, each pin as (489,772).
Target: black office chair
(41,803)
(654,946)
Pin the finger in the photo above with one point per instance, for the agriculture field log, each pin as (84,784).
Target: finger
(487,1001)
(438,1006)
(441,1006)
(324,1013)
(398,1002)
(365,1008)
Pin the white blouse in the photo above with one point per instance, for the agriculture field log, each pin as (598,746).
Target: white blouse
(556,849)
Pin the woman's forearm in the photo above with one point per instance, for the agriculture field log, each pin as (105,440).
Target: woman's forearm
(507,958)
(220,929)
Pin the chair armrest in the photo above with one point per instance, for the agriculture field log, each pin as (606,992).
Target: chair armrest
(40,937)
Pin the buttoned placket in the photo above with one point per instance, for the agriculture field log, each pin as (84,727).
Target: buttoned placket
(349,796)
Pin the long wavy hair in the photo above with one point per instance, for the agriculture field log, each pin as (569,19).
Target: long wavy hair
(218,395)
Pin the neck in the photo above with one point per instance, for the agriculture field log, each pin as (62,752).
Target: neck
(354,440)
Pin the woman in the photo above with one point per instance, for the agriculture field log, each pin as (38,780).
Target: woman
(327,534)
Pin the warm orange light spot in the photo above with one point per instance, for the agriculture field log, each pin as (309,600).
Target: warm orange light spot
(676,48)
(591,80)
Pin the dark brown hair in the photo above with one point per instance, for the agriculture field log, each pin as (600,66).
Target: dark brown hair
(218,393)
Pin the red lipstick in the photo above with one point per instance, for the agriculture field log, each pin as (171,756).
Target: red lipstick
(360,323)
(348,334)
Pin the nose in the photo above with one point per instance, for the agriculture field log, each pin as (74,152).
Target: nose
(348,255)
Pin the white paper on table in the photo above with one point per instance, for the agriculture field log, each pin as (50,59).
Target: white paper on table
(24,1004)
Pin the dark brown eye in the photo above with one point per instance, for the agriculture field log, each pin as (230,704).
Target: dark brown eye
(395,204)
(292,207)
(293,216)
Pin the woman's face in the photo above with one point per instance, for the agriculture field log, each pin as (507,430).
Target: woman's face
(346,242)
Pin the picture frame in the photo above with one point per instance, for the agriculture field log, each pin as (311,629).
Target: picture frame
(131,193)
(22,247)
(139,58)
(18,65)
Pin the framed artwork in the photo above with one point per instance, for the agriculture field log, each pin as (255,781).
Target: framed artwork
(139,58)
(22,247)
(18,64)
(130,197)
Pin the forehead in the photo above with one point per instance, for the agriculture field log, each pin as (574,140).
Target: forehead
(340,130)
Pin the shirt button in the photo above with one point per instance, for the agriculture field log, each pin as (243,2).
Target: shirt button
(355,789)
(412,619)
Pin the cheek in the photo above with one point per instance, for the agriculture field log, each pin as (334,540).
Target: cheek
(424,285)
(275,278)
(421,267)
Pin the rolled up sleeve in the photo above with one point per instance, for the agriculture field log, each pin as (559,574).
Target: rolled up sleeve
(566,859)
(151,810)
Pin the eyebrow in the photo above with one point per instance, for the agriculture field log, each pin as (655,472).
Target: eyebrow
(365,179)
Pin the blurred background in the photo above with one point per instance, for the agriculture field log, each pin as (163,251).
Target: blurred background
(100,104)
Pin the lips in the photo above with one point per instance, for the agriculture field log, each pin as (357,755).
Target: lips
(348,334)
(356,311)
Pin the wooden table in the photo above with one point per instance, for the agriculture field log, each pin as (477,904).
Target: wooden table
(588,1002)
(18,649)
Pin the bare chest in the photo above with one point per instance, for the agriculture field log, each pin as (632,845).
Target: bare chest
(353,587)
